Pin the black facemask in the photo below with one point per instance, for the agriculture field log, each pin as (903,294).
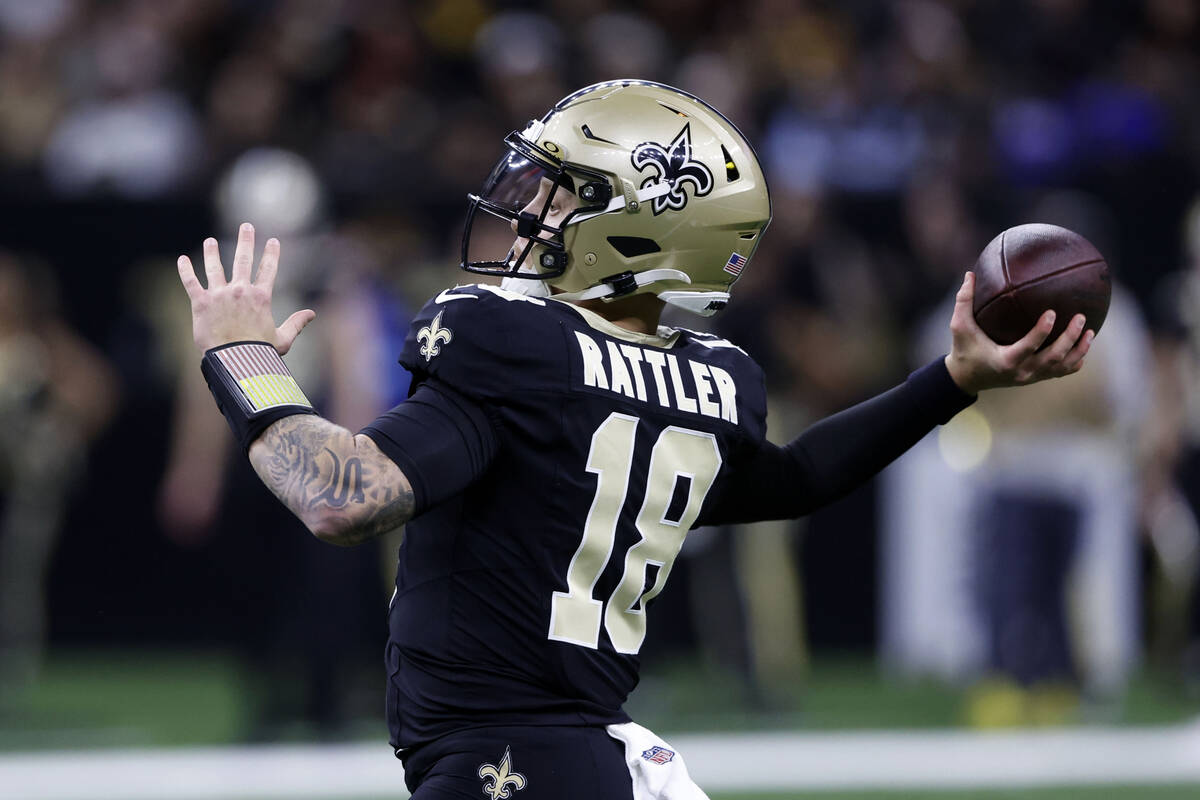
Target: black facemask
(523,187)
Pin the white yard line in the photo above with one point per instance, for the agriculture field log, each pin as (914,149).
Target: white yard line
(944,759)
(718,762)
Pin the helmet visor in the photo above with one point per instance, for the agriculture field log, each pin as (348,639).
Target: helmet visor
(517,181)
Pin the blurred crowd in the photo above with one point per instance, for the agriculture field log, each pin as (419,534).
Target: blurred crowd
(898,138)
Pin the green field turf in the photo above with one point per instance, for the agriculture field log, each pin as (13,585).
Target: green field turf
(89,699)
(155,699)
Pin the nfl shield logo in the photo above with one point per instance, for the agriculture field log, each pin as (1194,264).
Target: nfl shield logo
(658,755)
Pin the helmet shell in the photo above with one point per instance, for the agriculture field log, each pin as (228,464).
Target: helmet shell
(712,203)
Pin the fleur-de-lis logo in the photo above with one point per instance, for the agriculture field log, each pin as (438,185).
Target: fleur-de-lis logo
(499,782)
(433,334)
(674,165)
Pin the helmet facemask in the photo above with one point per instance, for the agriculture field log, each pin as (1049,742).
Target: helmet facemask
(532,196)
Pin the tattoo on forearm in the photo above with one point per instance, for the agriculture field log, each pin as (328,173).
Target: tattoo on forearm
(345,483)
(311,465)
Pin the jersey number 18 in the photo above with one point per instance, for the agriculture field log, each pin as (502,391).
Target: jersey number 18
(575,615)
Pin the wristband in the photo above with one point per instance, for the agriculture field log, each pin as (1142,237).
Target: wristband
(252,387)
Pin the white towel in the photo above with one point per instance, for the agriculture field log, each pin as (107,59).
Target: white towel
(657,769)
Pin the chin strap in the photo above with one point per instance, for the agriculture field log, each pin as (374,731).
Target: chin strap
(625,283)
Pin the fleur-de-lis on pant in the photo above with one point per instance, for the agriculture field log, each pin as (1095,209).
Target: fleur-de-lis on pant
(431,335)
(499,782)
(674,165)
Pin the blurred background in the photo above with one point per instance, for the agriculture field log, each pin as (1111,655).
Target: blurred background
(1032,565)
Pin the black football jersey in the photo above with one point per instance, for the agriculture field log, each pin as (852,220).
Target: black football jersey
(523,599)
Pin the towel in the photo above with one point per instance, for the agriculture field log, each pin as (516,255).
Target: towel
(657,769)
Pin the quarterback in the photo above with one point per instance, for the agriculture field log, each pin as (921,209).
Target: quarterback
(558,443)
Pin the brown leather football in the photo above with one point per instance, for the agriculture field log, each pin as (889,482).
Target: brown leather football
(1033,268)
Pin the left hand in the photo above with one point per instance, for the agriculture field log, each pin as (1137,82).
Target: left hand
(239,309)
(977,363)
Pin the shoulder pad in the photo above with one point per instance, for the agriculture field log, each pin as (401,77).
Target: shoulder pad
(484,341)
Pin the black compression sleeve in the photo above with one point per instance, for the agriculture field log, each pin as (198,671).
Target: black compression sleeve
(839,453)
(440,439)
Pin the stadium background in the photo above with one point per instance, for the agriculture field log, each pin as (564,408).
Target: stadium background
(898,138)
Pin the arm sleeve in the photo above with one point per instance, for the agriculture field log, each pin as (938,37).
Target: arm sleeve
(837,454)
(442,441)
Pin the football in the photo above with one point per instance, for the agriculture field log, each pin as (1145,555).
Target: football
(1030,269)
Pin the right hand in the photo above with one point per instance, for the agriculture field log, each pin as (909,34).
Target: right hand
(977,363)
(239,309)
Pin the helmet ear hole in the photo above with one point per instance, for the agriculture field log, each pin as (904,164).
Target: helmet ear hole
(630,246)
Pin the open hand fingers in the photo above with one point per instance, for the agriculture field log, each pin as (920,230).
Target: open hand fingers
(212,264)
(243,256)
(268,266)
(187,275)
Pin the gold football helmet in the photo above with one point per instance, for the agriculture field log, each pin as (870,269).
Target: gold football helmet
(664,195)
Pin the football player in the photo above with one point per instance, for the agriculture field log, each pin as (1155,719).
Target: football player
(558,444)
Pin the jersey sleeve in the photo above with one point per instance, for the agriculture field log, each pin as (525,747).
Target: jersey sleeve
(441,440)
(837,454)
(482,341)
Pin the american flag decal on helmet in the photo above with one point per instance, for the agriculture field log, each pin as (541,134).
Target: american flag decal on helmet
(658,755)
(735,264)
